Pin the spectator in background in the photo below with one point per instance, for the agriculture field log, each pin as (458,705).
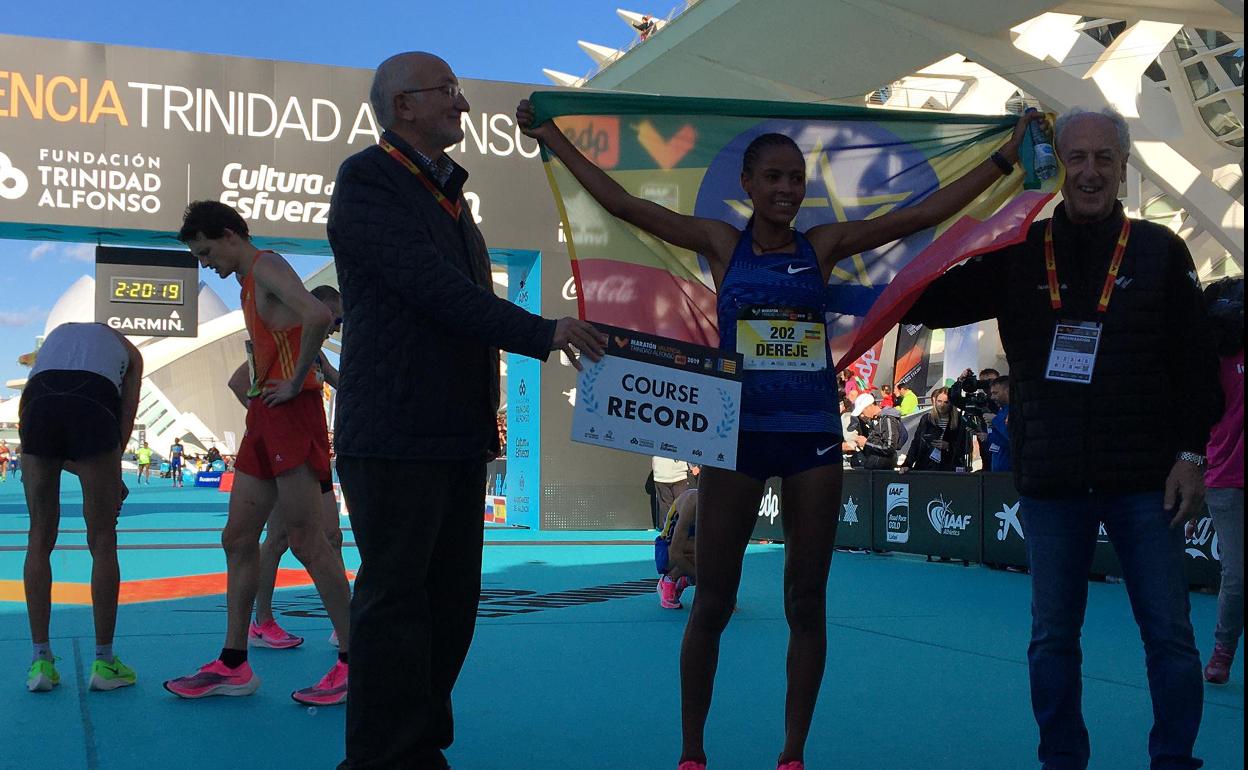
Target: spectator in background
(997,439)
(645,28)
(674,550)
(908,403)
(939,443)
(880,435)
(886,397)
(5,453)
(671,480)
(143,457)
(1224,480)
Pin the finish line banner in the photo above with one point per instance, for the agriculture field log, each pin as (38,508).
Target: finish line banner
(656,396)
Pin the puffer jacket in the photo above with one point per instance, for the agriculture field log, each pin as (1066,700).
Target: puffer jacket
(1154,390)
(421,326)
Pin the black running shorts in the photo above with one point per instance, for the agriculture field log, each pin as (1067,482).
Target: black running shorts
(69,415)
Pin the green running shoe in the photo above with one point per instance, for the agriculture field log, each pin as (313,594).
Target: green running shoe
(43,676)
(111,675)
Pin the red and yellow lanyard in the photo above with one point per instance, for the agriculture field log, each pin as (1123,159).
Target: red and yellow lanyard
(1050,265)
(452,208)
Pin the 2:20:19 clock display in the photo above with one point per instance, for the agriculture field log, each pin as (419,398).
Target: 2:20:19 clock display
(152,291)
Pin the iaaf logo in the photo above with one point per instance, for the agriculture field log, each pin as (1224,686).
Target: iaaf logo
(769,508)
(13,181)
(944,520)
(897,513)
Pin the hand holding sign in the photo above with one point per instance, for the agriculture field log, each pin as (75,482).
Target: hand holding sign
(572,336)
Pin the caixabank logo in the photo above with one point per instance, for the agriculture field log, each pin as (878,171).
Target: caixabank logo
(13,181)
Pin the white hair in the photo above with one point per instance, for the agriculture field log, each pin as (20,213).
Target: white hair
(387,81)
(1114,116)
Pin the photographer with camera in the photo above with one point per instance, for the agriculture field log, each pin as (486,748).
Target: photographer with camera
(997,438)
(880,435)
(970,396)
(941,441)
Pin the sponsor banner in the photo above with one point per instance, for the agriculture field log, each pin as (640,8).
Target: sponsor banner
(208,479)
(1004,543)
(108,143)
(656,396)
(854,516)
(910,365)
(935,514)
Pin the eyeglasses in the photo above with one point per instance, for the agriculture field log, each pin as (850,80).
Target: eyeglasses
(450,90)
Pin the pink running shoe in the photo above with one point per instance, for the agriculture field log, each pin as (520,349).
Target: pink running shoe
(1219,669)
(271,635)
(796,764)
(330,691)
(682,583)
(689,764)
(669,599)
(216,678)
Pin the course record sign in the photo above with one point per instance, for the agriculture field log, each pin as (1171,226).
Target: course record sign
(147,292)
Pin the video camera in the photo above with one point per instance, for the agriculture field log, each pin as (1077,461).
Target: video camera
(975,402)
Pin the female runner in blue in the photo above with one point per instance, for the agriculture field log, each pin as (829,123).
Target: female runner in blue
(789,423)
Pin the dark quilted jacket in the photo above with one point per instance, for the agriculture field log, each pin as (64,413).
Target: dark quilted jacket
(421,324)
(1154,391)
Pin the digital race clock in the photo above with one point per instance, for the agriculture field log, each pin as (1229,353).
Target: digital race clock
(154,291)
(143,292)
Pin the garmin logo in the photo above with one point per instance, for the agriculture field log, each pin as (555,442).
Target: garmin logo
(146,324)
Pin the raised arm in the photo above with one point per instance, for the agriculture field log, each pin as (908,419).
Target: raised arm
(837,241)
(711,238)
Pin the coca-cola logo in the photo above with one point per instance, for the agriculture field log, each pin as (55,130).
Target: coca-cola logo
(612,290)
(1203,543)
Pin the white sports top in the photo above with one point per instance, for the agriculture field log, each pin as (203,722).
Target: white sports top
(84,347)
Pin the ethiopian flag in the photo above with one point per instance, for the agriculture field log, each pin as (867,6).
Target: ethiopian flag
(685,153)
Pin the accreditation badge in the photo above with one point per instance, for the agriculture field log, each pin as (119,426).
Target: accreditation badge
(783,339)
(1073,355)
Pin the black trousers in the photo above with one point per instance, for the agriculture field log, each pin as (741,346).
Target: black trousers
(419,528)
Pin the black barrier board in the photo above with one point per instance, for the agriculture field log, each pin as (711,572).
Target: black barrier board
(854,527)
(935,514)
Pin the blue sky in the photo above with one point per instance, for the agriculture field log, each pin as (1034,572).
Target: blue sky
(487,39)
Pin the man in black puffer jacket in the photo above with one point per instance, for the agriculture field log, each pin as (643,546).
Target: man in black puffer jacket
(1093,429)
(419,390)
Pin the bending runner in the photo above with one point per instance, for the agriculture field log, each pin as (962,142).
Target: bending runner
(789,421)
(264,631)
(77,411)
(285,451)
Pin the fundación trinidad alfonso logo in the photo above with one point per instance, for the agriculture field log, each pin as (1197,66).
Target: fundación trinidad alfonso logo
(13,181)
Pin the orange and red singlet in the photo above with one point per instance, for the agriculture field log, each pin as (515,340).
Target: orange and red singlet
(271,353)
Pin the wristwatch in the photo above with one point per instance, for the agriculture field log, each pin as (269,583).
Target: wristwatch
(1191,457)
(1003,164)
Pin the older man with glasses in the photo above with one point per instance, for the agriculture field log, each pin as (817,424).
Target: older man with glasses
(416,405)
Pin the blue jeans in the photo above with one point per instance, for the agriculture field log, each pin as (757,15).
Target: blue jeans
(1061,538)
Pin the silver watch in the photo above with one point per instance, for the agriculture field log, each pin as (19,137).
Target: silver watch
(1191,457)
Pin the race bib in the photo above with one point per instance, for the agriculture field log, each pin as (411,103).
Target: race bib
(1073,355)
(781,339)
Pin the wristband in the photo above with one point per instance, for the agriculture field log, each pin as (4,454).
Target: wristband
(1006,167)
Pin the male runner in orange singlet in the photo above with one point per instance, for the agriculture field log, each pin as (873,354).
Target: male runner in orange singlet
(285,451)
